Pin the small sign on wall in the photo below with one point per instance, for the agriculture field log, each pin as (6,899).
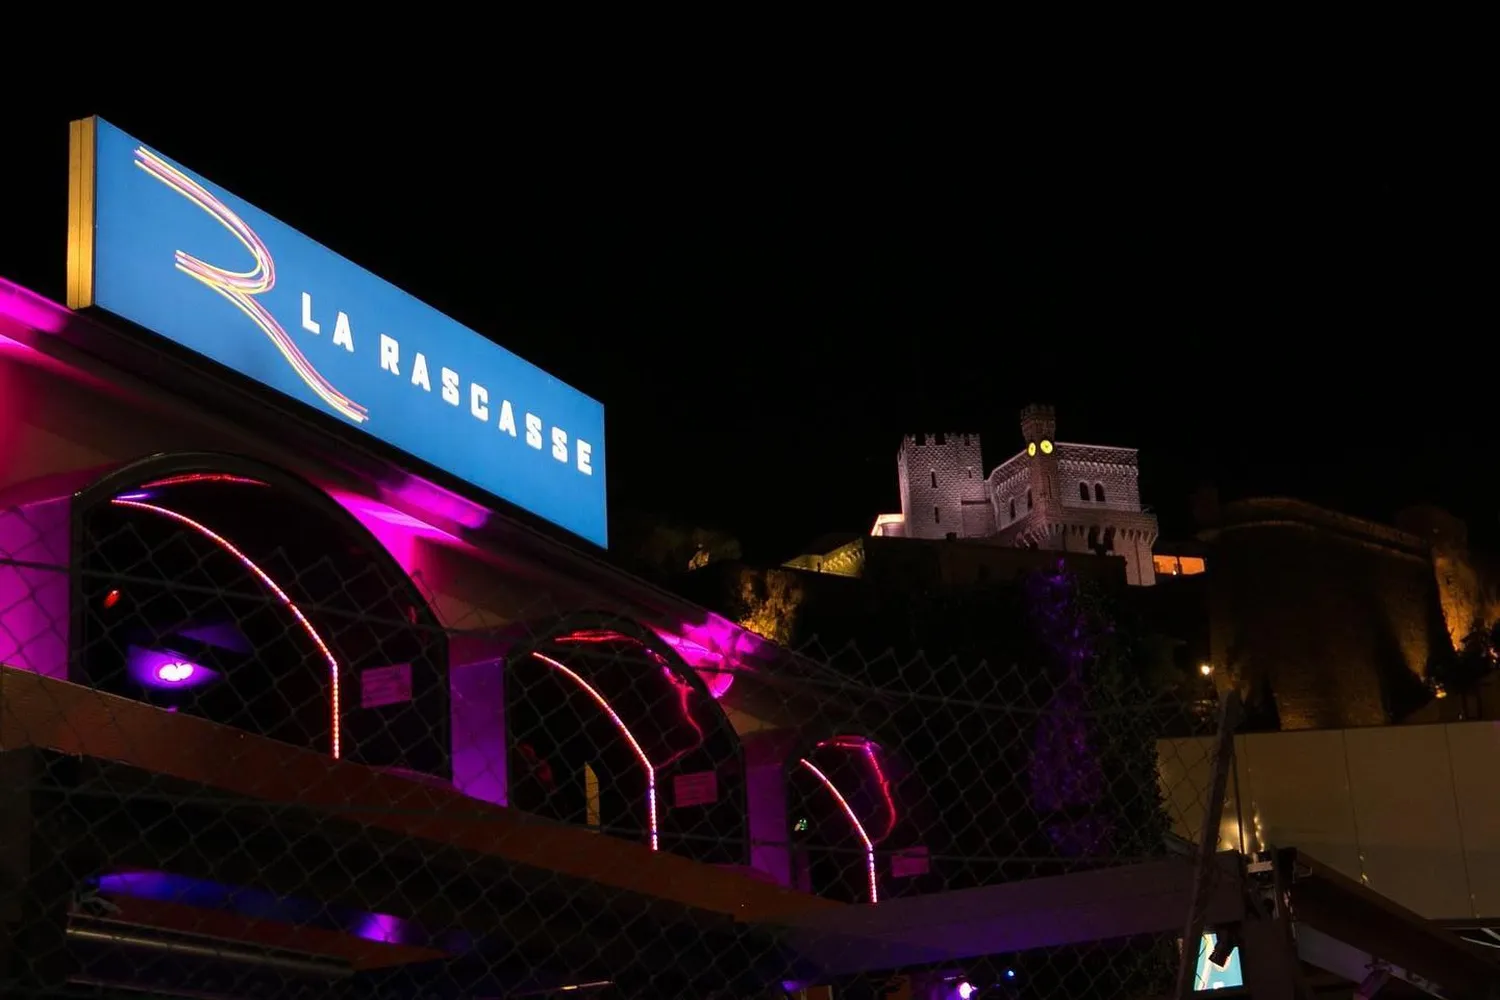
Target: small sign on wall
(385,685)
(910,863)
(698,789)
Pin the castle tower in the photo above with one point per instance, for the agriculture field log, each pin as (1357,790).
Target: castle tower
(1073,498)
(943,486)
(1039,432)
(1038,424)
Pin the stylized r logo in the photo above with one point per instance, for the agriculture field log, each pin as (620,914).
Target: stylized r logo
(241,287)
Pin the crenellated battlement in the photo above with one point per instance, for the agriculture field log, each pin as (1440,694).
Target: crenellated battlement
(940,439)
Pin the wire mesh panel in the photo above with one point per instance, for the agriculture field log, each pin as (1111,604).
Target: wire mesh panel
(247,750)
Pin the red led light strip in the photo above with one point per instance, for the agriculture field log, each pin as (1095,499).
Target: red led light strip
(202,477)
(859,828)
(260,574)
(600,700)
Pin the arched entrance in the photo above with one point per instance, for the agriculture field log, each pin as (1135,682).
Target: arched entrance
(220,586)
(607,726)
(858,820)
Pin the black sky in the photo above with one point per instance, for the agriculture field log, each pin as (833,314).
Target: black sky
(1289,297)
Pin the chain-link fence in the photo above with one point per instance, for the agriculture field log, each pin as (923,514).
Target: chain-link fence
(245,755)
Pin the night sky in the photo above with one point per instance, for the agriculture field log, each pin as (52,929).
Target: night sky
(766,294)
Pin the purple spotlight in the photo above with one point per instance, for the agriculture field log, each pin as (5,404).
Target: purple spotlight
(175,673)
(965,990)
(164,669)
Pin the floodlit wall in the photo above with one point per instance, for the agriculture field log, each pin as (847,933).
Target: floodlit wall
(1409,810)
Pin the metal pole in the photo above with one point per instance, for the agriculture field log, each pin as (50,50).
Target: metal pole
(1208,839)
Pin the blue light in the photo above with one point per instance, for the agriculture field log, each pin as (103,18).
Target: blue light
(203,269)
(1209,976)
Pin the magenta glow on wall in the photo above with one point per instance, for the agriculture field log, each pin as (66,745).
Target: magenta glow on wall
(35,587)
(30,310)
(399,533)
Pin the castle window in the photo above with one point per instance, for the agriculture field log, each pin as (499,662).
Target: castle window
(1083,492)
(1099,492)
(1012,510)
(970,471)
(937,515)
(934,479)
(1028,499)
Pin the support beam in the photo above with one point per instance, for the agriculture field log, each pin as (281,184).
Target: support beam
(509,920)
(1348,962)
(1340,909)
(41,712)
(1099,905)
(1208,839)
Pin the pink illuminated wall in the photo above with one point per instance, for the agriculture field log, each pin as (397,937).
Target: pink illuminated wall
(35,587)
(477,705)
(399,533)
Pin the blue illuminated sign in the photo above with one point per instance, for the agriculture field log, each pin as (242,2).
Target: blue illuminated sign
(156,244)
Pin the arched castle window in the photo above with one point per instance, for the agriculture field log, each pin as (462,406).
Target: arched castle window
(1028,499)
(1083,492)
(1012,510)
(934,479)
(1099,492)
(937,515)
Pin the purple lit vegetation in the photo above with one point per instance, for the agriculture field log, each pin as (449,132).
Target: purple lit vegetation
(1065,772)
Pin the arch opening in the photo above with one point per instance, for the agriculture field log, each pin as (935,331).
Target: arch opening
(602,696)
(858,819)
(220,587)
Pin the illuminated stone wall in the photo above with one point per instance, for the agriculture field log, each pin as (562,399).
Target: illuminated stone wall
(846,560)
(1467,590)
(942,475)
(1336,615)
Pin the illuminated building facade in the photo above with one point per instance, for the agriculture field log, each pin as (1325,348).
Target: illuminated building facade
(1050,495)
(245,484)
(273,532)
